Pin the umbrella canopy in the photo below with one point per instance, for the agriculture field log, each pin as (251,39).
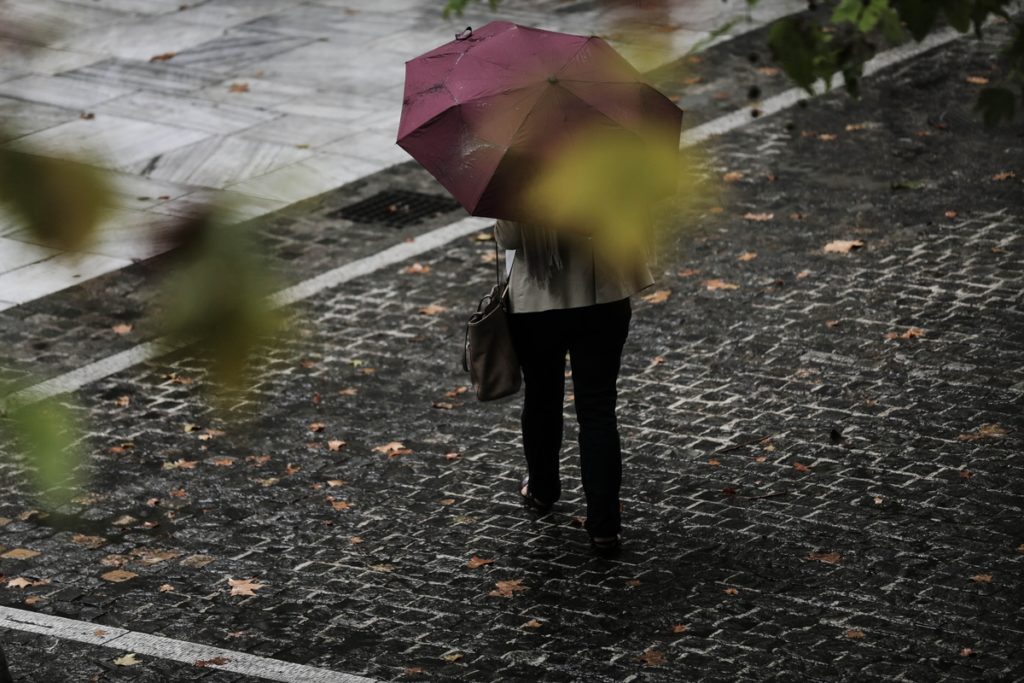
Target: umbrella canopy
(486,112)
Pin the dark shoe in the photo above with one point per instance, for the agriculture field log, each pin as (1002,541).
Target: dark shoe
(528,498)
(606,546)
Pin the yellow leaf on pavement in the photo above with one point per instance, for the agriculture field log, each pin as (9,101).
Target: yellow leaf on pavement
(658,297)
(843,246)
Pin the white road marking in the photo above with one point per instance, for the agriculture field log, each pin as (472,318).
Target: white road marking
(788,98)
(168,648)
(106,367)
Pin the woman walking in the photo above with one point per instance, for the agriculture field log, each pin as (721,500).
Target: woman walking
(567,296)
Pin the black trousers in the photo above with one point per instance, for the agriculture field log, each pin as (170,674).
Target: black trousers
(593,336)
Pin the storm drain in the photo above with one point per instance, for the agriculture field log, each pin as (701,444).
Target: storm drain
(396,208)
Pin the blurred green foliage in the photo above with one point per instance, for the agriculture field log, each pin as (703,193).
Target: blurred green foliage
(457,7)
(218,300)
(60,202)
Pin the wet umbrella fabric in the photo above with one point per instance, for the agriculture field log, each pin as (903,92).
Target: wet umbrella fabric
(485,112)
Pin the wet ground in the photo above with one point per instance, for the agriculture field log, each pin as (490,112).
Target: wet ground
(823,478)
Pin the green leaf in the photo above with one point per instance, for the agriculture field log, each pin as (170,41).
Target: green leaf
(61,202)
(793,45)
(873,14)
(47,435)
(996,105)
(847,11)
(919,16)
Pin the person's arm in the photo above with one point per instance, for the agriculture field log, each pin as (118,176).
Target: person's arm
(508,234)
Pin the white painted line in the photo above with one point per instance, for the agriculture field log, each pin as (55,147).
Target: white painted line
(111,365)
(168,648)
(437,238)
(788,98)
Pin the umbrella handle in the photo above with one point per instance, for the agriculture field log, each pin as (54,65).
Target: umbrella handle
(464,35)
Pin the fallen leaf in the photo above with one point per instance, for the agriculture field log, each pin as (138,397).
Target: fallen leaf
(20,554)
(951,214)
(216,661)
(688,272)
(166,588)
(679,628)
(123,401)
(797,216)
(452,657)
(977,80)
(717,284)
(99,633)
(652,657)
(768,70)
(457,391)
(758,217)
(505,589)
(982,578)
(432,309)
(19,582)
(127,660)
(483,237)
(911,333)
(87,116)
(348,391)
(316,427)
(747,256)
(447,501)
(88,541)
(197,561)
(339,504)
(802,274)
(258,460)
(831,323)
(855,634)
(826,137)
(985,431)
(163,57)
(386,568)
(733,176)
(828,558)
(731,591)
(151,557)
(452,456)
(966,474)
(713,462)
(800,467)
(475,562)
(118,576)
(416,269)
(238,87)
(181,464)
(843,246)
(244,586)
(122,328)
(658,297)
(633,582)
(760,458)
(4,521)
(393,448)
(1005,175)
(444,405)
(532,623)
(210,433)
(966,652)
(878,500)
(355,540)
(222,461)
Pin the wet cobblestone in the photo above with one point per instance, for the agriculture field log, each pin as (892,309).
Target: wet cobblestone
(805,499)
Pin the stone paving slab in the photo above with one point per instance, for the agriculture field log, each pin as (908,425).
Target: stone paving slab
(330,62)
(874,535)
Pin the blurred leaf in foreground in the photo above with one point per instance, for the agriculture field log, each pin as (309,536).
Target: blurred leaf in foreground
(47,435)
(217,299)
(61,202)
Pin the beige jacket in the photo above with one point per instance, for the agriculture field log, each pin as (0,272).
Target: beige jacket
(586,278)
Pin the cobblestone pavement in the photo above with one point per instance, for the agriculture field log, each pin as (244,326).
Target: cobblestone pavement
(812,491)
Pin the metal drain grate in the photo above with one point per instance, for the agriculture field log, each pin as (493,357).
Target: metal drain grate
(396,208)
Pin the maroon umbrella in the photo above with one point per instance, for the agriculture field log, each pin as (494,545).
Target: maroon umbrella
(486,111)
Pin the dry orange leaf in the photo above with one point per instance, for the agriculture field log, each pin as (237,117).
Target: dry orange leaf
(747,256)
(216,661)
(802,274)
(768,70)
(758,217)
(843,246)
(122,328)
(911,333)
(532,623)
(181,464)
(335,445)
(222,461)
(713,462)
(118,575)
(719,284)
(244,586)
(238,87)
(731,591)
(855,634)
(732,176)
(505,589)
(827,137)
(88,541)
(658,297)
(800,467)
(678,628)
(688,272)
(828,558)
(951,214)
(966,652)
(338,504)
(416,269)
(163,57)
(977,80)
(985,431)
(432,309)
(982,578)
(452,456)
(348,391)
(166,588)
(20,582)
(1005,175)
(355,540)
(447,501)
(393,449)
(20,554)
(475,562)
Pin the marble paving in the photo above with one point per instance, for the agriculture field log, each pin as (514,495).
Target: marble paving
(248,104)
